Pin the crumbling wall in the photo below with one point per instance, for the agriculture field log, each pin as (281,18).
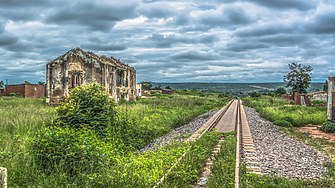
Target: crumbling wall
(288,96)
(26,90)
(34,91)
(297,99)
(18,89)
(78,68)
(2,92)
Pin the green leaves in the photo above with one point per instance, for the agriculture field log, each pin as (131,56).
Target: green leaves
(187,169)
(328,127)
(298,78)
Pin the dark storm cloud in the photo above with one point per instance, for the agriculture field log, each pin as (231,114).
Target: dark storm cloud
(156,10)
(323,24)
(269,29)
(287,4)
(96,16)
(165,41)
(226,16)
(114,46)
(20,14)
(192,55)
(7,39)
(189,40)
(23,3)
(244,46)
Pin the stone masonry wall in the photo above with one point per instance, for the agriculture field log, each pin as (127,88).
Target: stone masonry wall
(77,68)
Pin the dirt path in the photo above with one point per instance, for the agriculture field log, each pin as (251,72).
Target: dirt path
(315,132)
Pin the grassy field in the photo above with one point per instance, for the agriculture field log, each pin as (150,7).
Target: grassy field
(276,108)
(22,118)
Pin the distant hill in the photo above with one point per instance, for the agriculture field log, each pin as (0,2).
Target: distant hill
(233,89)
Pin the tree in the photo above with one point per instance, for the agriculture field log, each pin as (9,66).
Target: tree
(280,90)
(159,87)
(325,86)
(255,94)
(26,82)
(317,90)
(146,85)
(41,83)
(298,78)
(167,87)
(1,83)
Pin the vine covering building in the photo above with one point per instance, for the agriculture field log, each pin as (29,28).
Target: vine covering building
(78,68)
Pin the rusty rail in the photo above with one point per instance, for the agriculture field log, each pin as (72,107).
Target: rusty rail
(238,128)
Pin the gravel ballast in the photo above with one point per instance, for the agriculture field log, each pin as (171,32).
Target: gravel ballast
(179,134)
(281,155)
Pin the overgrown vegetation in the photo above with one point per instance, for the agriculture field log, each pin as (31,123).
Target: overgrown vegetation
(328,127)
(86,147)
(223,168)
(276,108)
(188,169)
(283,123)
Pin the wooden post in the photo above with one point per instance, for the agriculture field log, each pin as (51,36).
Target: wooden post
(3,177)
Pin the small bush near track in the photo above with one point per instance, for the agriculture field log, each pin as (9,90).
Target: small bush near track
(283,123)
(328,127)
(289,119)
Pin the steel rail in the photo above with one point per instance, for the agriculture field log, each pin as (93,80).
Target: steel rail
(238,128)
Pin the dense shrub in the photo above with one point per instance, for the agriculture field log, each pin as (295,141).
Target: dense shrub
(289,119)
(77,150)
(89,106)
(255,94)
(86,128)
(283,123)
(280,90)
(223,95)
(328,127)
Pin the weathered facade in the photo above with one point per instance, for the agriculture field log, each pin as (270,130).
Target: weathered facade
(319,95)
(78,68)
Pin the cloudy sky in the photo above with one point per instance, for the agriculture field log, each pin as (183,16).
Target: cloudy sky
(172,41)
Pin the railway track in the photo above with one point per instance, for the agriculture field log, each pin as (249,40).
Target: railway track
(230,118)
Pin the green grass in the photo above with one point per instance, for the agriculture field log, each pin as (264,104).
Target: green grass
(21,118)
(161,115)
(223,168)
(272,109)
(187,170)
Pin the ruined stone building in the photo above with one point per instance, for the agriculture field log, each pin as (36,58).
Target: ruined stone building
(78,68)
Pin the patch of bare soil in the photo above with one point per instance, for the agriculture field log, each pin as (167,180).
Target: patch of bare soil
(315,132)
(147,96)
